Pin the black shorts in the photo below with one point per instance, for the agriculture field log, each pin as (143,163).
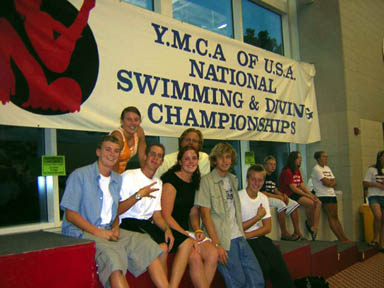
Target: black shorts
(328,200)
(146,226)
(295,196)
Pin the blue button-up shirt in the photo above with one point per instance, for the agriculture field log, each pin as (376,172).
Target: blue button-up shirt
(83,195)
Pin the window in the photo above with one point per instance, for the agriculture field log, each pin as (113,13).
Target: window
(147,4)
(215,16)
(279,150)
(23,197)
(262,27)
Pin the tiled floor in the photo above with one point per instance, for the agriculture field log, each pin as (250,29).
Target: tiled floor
(366,274)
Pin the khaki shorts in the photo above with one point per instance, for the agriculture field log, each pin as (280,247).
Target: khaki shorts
(133,252)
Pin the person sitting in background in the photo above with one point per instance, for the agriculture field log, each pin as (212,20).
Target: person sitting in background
(131,138)
(140,211)
(291,183)
(283,204)
(117,250)
(193,137)
(324,182)
(220,208)
(180,183)
(374,181)
(256,224)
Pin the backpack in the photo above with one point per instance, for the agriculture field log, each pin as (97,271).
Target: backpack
(311,282)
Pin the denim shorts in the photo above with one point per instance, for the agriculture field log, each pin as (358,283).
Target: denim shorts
(376,200)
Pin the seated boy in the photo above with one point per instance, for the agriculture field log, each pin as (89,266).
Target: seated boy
(256,224)
(90,201)
(219,203)
(141,212)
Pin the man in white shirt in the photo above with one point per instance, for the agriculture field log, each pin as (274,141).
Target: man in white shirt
(256,224)
(191,137)
(140,211)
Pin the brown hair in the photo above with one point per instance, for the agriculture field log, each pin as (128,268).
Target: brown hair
(132,109)
(219,150)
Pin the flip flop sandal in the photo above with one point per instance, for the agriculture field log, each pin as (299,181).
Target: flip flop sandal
(295,237)
(286,238)
(313,234)
(292,237)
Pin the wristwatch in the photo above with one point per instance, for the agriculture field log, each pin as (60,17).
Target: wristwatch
(138,196)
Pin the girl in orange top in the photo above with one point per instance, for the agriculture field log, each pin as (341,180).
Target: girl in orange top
(131,137)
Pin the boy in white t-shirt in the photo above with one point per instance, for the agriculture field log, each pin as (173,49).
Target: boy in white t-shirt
(256,224)
(140,211)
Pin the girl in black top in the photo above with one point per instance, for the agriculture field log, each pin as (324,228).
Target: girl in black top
(180,183)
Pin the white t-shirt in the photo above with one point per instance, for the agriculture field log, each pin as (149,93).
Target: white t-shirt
(133,181)
(106,209)
(235,229)
(170,160)
(249,208)
(372,176)
(319,173)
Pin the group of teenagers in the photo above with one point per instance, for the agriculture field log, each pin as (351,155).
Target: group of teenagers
(188,203)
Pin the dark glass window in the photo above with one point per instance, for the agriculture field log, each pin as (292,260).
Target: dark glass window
(262,27)
(212,15)
(147,4)
(262,149)
(23,197)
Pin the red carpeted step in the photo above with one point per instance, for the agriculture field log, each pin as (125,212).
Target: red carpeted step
(348,254)
(44,259)
(324,259)
(297,256)
(366,251)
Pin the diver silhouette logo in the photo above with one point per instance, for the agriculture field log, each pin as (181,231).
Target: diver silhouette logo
(48,56)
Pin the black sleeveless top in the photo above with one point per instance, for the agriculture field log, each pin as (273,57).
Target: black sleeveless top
(184,200)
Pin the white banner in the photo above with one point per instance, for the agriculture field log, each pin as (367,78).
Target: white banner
(176,74)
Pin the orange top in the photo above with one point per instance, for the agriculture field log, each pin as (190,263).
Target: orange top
(126,152)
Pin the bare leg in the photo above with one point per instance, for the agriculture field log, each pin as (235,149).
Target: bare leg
(202,266)
(312,211)
(163,258)
(209,254)
(196,270)
(157,274)
(334,223)
(283,228)
(316,219)
(118,280)
(295,222)
(180,262)
(377,214)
